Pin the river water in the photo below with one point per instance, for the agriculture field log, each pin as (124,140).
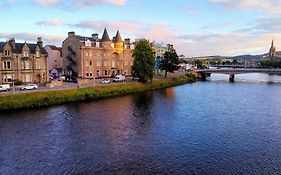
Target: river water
(212,127)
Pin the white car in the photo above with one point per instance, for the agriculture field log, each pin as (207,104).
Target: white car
(5,87)
(29,87)
(105,81)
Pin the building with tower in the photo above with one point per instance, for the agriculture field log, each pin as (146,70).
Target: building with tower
(273,53)
(94,57)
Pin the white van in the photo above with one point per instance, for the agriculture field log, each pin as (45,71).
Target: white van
(5,87)
(119,78)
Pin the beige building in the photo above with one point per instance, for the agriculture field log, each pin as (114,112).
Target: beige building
(54,60)
(92,57)
(23,62)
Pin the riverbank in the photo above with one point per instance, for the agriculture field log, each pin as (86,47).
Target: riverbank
(49,98)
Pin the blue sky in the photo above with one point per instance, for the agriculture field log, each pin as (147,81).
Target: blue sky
(195,27)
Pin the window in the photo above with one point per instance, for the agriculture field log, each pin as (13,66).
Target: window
(97,44)
(90,53)
(87,74)
(25,53)
(105,72)
(8,78)
(87,63)
(7,65)
(37,54)
(27,78)
(98,73)
(113,64)
(37,65)
(90,63)
(87,53)
(27,65)
(98,63)
(7,53)
(91,74)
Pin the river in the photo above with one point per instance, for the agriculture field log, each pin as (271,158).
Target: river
(212,127)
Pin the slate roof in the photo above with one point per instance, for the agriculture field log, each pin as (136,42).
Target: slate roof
(18,48)
(84,38)
(118,37)
(105,36)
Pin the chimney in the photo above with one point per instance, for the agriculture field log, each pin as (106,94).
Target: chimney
(39,42)
(127,41)
(12,41)
(71,34)
(95,36)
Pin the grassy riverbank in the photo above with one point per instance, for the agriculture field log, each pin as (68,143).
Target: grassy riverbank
(48,98)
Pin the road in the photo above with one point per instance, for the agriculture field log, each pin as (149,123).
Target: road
(67,85)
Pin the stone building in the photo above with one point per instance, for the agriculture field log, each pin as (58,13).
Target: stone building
(24,62)
(92,57)
(54,60)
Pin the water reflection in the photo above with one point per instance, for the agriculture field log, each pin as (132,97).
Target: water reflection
(201,128)
(142,111)
(248,78)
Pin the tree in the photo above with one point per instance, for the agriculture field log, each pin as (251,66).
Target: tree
(170,63)
(143,66)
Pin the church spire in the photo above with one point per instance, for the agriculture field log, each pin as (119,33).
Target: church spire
(272,44)
(105,36)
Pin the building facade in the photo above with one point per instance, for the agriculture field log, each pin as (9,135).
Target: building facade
(54,60)
(92,57)
(23,62)
(159,51)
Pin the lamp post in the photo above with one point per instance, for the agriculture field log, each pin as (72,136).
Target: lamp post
(13,81)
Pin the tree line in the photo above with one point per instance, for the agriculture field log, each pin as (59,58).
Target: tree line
(270,64)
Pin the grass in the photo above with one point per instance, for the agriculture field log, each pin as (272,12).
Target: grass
(48,98)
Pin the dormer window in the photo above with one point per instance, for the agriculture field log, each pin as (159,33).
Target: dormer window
(37,54)
(25,53)
(7,53)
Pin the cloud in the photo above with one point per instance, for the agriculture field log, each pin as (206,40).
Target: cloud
(269,6)
(99,25)
(211,27)
(47,2)
(155,31)
(32,37)
(52,22)
(74,4)
(193,44)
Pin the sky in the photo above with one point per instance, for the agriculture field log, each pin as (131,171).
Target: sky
(195,27)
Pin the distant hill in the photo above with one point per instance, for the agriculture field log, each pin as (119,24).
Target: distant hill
(250,57)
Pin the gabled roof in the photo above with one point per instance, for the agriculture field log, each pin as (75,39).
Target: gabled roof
(118,37)
(18,48)
(105,36)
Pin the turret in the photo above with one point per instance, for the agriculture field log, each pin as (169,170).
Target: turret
(105,40)
(118,43)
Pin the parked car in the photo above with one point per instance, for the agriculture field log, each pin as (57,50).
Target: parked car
(5,87)
(105,81)
(135,78)
(119,78)
(29,87)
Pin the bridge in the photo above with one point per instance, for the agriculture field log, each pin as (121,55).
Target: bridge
(204,73)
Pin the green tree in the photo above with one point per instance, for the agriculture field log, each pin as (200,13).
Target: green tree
(143,66)
(170,63)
